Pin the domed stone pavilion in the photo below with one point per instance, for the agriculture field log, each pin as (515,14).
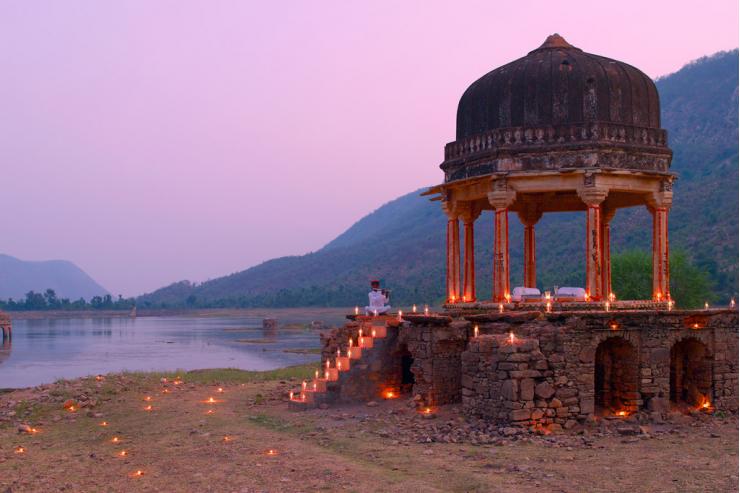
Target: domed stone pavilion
(557,130)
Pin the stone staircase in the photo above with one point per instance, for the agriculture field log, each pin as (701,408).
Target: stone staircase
(367,338)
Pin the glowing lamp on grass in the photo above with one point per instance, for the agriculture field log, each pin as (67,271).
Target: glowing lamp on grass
(137,474)
(72,409)
(103,423)
(122,453)
(475,331)
(220,390)
(148,408)
(148,398)
(19,450)
(227,438)
(271,452)
(115,440)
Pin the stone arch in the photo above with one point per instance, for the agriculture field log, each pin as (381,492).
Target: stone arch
(616,368)
(406,363)
(691,373)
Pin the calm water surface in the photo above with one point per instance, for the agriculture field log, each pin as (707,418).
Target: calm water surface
(43,351)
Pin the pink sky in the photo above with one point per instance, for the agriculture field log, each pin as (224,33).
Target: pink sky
(150,142)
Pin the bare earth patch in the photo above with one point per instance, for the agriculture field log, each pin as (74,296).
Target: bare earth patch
(179,446)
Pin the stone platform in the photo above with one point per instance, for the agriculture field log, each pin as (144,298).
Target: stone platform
(533,368)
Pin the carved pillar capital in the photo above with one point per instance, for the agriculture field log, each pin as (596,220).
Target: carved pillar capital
(530,213)
(450,208)
(593,196)
(468,211)
(502,196)
(660,200)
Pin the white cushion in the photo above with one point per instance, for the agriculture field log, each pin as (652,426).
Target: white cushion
(566,292)
(522,292)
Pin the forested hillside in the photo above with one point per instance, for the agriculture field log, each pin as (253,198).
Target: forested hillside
(402,242)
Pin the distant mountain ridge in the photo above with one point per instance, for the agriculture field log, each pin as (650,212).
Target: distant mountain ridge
(403,242)
(17,277)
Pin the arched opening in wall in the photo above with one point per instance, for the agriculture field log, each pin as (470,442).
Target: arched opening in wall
(616,377)
(407,376)
(691,374)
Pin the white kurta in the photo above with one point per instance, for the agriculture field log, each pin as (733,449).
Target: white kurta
(378,302)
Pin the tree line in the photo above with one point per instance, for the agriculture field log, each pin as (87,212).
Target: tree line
(48,300)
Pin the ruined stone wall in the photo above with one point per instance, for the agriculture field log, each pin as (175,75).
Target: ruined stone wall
(437,351)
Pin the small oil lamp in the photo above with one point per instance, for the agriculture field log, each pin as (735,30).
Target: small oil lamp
(115,440)
(706,305)
(103,423)
(452,298)
(122,453)
(227,438)
(426,309)
(606,306)
(316,374)
(475,331)
(99,378)
(507,297)
(658,296)
(547,296)
(20,450)
(501,308)
(357,310)
(614,325)
(400,316)
(373,333)
(148,408)
(211,411)
(732,302)
(612,297)
(148,398)
(271,452)
(375,312)
(670,304)
(138,473)
(220,390)
(464,299)
(211,400)
(548,307)
(511,337)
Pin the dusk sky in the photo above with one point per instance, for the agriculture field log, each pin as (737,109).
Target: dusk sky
(155,141)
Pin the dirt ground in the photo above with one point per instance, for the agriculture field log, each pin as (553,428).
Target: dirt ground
(179,446)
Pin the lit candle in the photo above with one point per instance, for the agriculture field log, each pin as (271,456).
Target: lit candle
(357,310)
(586,296)
(507,297)
(271,452)
(670,305)
(316,374)
(547,295)
(115,440)
(327,364)
(732,302)
(658,296)
(220,390)
(548,307)
(426,309)
(452,299)
(303,385)
(350,342)
(511,337)
(706,305)
(148,408)
(501,308)
(138,473)
(475,331)
(122,453)
(227,438)
(606,306)
(360,332)
(465,299)
(400,316)
(20,450)
(413,309)
(147,398)
(612,297)
(373,333)
(104,423)
(290,395)
(314,386)
(375,312)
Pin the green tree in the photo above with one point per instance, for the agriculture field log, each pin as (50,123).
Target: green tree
(632,278)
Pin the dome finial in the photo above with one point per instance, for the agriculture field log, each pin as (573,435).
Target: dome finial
(555,41)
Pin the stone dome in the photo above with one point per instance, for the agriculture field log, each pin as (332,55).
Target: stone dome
(558,84)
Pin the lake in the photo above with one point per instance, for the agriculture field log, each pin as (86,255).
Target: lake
(44,350)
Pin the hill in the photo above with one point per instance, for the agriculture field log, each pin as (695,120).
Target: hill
(402,242)
(17,277)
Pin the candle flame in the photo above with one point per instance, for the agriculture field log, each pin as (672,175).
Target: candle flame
(290,395)
(210,411)
(99,378)
(271,452)
(138,473)
(148,408)
(413,308)
(475,331)
(20,450)
(357,310)
(501,308)
(122,453)
(220,390)
(147,398)
(706,305)
(115,440)
(606,306)
(548,307)
(227,438)
(326,375)
(374,333)
(104,423)
(732,302)
(400,315)
(511,337)
(316,374)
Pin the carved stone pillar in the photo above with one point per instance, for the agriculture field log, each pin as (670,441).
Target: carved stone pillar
(501,198)
(529,217)
(453,253)
(469,213)
(659,204)
(593,196)
(607,214)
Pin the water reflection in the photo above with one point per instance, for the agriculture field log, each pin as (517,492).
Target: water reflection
(46,350)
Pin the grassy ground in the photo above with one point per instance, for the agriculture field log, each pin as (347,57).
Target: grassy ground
(178,446)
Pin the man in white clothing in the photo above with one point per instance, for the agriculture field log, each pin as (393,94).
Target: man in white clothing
(379,299)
